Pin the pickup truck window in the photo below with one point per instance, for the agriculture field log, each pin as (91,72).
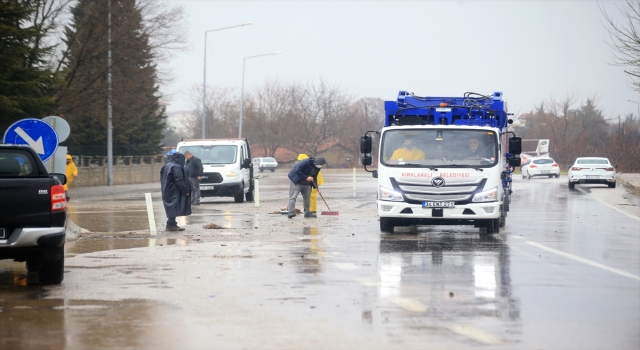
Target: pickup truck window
(15,163)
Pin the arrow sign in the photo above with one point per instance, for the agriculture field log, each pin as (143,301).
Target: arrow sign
(36,145)
(35,133)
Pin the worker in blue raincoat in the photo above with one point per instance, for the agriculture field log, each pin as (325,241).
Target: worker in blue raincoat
(175,188)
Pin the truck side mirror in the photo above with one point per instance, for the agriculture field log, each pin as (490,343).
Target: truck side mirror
(365,145)
(246,163)
(367,160)
(515,145)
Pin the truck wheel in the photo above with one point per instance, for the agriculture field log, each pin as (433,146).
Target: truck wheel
(493,226)
(505,203)
(249,194)
(386,225)
(51,271)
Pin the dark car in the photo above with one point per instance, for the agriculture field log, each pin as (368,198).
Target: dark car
(33,215)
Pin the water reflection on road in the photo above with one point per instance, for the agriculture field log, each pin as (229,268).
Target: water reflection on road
(460,277)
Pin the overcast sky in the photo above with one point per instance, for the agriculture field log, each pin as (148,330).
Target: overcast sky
(529,50)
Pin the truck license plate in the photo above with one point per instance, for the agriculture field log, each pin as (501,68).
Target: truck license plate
(205,188)
(438,204)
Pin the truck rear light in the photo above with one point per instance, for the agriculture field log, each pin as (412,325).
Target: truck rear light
(575,168)
(58,198)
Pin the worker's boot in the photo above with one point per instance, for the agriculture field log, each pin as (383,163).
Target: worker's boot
(291,214)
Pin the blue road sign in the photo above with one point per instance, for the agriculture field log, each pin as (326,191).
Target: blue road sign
(35,133)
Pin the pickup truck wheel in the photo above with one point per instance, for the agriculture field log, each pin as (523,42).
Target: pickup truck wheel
(32,265)
(51,271)
(386,225)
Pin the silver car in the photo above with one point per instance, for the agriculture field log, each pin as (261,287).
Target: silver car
(540,167)
(266,163)
(592,170)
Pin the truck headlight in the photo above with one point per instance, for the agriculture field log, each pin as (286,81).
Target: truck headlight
(486,196)
(386,194)
(230,173)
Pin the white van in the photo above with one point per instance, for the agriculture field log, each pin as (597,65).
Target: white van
(227,167)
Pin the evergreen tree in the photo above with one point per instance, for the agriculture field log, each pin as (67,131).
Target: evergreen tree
(27,84)
(137,119)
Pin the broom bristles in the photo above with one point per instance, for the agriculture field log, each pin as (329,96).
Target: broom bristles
(329,213)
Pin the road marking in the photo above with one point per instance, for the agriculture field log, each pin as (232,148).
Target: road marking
(476,334)
(346,266)
(410,304)
(609,205)
(368,282)
(585,261)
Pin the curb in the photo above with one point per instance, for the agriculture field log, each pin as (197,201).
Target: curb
(635,189)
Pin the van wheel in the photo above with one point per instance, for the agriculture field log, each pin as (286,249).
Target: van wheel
(273,170)
(249,194)
(51,271)
(239,198)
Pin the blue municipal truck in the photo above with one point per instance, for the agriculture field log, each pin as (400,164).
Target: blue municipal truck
(443,161)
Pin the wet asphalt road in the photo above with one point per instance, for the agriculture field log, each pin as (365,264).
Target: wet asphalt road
(563,274)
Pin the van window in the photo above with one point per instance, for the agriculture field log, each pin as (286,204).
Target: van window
(213,154)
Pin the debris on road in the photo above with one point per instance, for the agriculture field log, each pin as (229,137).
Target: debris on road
(211,225)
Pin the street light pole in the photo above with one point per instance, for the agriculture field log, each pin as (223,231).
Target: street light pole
(204,75)
(637,117)
(244,62)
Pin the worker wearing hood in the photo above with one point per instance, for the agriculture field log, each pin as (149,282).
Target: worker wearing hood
(71,172)
(175,188)
(313,206)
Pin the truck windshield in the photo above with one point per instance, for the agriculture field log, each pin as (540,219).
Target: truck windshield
(439,148)
(213,154)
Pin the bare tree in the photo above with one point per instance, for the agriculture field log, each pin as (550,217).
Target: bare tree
(625,39)
(318,111)
(268,111)
(222,110)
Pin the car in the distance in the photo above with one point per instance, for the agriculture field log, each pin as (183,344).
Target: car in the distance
(540,167)
(592,170)
(266,163)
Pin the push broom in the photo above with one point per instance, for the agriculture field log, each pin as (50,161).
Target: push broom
(325,203)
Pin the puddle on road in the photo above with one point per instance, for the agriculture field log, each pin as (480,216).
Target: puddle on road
(89,324)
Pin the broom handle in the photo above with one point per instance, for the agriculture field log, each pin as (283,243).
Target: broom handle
(321,196)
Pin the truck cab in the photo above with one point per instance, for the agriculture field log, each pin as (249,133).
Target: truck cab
(443,161)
